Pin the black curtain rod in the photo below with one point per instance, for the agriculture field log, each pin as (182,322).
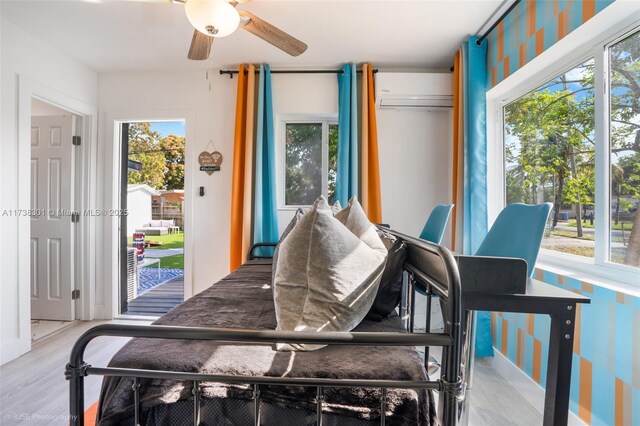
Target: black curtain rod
(497,22)
(230,73)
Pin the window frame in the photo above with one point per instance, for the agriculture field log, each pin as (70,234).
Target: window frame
(308,118)
(556,60)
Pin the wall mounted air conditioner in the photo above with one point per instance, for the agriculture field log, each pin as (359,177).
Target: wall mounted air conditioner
(414,90)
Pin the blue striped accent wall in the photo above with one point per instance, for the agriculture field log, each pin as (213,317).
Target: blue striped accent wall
(531,28)
(605,379)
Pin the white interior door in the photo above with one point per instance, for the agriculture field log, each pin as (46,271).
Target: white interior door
(52,248)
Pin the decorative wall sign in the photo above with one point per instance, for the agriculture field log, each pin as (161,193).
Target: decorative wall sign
(210,161)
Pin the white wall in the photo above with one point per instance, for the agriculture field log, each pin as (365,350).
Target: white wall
(25,58)
(413,146)
(40,108)
(139,208)
(299,94)
(415,165)
(135,94)
(209,115)
(415,175)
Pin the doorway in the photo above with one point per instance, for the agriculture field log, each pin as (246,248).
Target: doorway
(151,239)
(53,289)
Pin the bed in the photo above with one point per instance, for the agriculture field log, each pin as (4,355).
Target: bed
(211,360)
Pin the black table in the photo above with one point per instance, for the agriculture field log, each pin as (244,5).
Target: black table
(560,305)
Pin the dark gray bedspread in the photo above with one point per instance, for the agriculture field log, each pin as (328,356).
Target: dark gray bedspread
(244,300)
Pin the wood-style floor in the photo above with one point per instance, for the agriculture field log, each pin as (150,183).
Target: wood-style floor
(159,300)
(41,329)
(33,389)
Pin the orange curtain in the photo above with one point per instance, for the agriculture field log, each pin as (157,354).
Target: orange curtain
(369,157)
(241,191)
(458,150)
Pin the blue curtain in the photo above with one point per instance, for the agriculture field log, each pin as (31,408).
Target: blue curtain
(347,173)
(475,168)
(265,211)
(475,174)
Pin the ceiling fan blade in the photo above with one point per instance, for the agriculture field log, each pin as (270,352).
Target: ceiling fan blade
(271,34)
(200,46)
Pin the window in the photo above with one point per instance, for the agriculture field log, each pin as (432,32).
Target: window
(550,154)
(310,160)
(574,141)
(624,153)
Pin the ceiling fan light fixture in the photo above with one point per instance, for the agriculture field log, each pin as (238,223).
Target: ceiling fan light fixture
(215,18)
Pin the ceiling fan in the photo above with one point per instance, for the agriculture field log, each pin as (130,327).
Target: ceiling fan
(219,18)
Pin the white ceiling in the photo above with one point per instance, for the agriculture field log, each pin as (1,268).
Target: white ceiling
(108,35)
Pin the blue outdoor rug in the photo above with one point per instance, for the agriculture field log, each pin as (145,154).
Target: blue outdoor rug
(148,277)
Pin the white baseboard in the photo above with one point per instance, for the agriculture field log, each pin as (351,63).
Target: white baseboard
(525,385)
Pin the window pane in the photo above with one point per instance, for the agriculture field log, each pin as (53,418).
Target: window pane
(333,161)
(303,179)
(549,157)
(624,65)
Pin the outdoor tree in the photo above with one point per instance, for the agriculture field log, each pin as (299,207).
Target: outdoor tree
(145,146)
(303,163)
(333,161)
(173,147)
(550,144)
(162,158)
(625,134)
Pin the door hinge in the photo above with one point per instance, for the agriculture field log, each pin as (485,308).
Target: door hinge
(75,217)
(76,140)
(75,294)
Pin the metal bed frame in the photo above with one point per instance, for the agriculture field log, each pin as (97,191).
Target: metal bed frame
(428,265)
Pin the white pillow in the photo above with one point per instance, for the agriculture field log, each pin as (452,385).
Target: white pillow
(327,273)
(168,222)
(155,223)
(276,251)
(354,218)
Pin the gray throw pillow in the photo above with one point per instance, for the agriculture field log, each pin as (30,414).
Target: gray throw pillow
(294,220)
(336,207)
(327,272)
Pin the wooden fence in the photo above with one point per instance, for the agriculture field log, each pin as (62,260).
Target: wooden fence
(168,212)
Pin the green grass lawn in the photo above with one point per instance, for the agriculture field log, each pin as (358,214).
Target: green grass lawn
(169,241)
(172,262)
(627,225)
(571,234)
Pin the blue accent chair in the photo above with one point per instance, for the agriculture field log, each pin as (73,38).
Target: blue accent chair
(517,232)
(433,231)
(436,224)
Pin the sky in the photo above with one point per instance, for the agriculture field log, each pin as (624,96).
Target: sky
(166,128)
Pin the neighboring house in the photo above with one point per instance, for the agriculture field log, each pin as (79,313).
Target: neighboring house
(169,204)
(168,196)
(139,206)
